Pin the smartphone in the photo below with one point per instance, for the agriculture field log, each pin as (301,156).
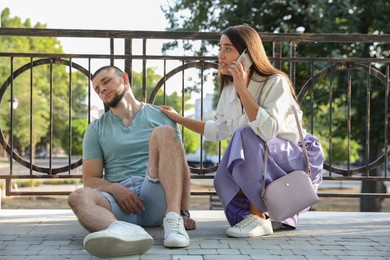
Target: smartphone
(248,60)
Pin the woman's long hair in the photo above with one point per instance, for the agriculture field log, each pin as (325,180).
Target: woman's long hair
(245,37)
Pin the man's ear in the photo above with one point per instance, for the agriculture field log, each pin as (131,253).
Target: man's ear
(125,78)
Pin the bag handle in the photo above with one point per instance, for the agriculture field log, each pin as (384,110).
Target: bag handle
(302,142)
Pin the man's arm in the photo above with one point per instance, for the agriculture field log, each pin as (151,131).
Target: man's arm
(93,178)
(93,174)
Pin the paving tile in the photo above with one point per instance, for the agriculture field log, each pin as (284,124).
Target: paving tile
(56,234)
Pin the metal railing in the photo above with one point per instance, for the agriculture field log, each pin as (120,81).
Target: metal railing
(336,91)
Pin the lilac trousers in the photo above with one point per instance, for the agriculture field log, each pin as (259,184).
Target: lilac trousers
(242,169)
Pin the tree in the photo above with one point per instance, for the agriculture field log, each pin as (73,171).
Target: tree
(315,16)
(191,141)
(319,16)
(79,126)
(40,92)
(152,78)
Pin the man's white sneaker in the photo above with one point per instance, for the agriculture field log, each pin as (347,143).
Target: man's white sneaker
(175,234)
(251,226)
(119,239)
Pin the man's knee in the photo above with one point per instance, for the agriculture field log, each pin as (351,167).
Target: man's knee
(73,198)
(164,133)
(78,196)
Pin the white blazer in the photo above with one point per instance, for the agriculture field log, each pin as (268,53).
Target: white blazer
(275,116)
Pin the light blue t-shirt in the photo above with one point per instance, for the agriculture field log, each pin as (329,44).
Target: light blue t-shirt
(124,150)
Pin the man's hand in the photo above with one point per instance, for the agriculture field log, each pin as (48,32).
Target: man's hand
(128,200)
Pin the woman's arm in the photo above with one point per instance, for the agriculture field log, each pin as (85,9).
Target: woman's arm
(249,104)
(272,115)
(240,79)
(192,124)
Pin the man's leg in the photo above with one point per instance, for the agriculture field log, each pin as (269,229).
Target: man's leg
(173,151)
(189,223)
(110,237)
(167,163)
(91,208)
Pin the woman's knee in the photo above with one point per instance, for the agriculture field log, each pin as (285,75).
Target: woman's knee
(245,131)
(244,134)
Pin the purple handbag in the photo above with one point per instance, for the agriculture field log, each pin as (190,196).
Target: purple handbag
(292,193)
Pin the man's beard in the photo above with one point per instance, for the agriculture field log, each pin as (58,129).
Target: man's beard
(117,98)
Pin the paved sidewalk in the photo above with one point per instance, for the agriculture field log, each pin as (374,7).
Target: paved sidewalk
(56,234)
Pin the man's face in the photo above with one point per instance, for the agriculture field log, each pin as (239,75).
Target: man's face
(109,86)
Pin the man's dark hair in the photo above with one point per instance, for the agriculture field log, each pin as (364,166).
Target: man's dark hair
(117,70)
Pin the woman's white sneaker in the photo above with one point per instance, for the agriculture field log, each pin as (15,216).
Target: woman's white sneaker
(175,234)
(119,239)
(251,226)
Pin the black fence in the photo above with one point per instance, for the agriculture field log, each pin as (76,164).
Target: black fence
(46,95)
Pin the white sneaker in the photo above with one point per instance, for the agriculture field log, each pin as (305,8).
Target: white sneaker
(175,234)
(251,226)
(119,239)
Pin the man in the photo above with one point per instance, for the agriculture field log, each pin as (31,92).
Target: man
(145,182)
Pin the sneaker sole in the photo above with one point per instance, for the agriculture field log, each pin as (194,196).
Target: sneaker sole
(176,244)
(241,235)
(113,247)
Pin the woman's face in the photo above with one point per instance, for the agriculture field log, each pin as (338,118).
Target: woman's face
(227,54)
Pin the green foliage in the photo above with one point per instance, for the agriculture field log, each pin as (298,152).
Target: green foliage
(152,78)
(314,16)
(212,148)
(28,183)
(338,143)
(35,95)
(340,150)
(79,126)
(61,101)
(191,141)
(62,181)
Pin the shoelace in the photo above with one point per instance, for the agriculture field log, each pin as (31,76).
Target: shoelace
(246,221)
(173,225)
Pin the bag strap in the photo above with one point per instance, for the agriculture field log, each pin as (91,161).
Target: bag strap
(301,137)
(302,143)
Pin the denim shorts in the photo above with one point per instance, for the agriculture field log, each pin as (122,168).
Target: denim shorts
(153,197)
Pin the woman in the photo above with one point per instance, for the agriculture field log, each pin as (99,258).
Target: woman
(256,107)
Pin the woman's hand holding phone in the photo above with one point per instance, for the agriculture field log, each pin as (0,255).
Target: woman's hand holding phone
(239,71)
(244,58)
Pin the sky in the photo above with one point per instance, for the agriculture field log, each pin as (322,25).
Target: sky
(144,15)
(91,14)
